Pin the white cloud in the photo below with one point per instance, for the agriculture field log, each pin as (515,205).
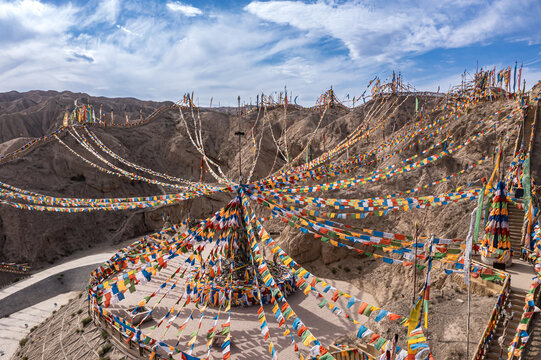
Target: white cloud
(35,17)
(187,10)
(149,54)
(107,11)
(393,30)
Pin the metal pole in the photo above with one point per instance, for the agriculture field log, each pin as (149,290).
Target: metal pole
(468,322)
(285,124)
(467,267)
(240,152)
(239,134)
(415,262)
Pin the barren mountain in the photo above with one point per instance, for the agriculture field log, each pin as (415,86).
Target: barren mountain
(163,145)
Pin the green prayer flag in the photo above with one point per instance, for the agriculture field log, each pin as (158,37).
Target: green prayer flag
(326,356)
(367,311)
(305,334)
(379,343)
(526,181)
(478,214)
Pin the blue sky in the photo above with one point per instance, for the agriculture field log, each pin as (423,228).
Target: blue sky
(161,49)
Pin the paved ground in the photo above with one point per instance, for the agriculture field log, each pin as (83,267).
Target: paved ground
(18,324)
(245,328)
(66,337)
(71,280)
(32,300)
(521,274)
(55,270)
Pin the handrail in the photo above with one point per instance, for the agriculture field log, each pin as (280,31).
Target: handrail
(484,342)
(516,352)
(351,354)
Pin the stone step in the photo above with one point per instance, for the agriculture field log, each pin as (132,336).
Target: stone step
(494,354)
(518,307)
(500,329)
(516,294)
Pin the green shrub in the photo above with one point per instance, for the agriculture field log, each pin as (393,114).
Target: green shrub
(23,341)
(86,321)
(105,349)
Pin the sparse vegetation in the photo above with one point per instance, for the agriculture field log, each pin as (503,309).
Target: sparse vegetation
(104,349)
(104,334)
(23,342)
(86,321)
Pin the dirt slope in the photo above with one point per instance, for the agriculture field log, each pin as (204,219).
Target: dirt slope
(164,146)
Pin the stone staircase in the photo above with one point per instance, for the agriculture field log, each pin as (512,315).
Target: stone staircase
(495,352)
(516,219)
(520,272)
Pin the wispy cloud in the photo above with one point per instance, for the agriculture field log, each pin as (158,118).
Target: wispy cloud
(127,48)
(396,29)
(106,11)
(187,10)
